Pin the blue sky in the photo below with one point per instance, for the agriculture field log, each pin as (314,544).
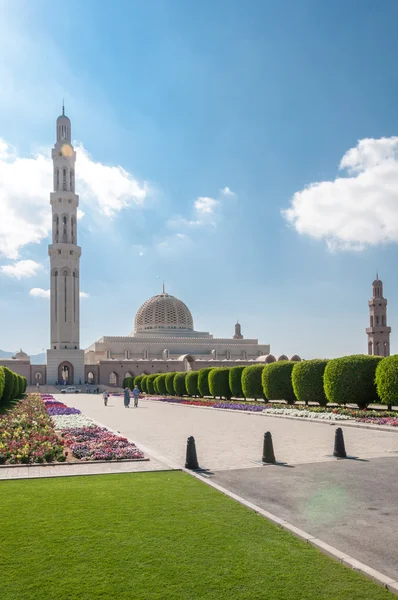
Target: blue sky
(215,116)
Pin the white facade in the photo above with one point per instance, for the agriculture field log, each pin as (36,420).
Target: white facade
(65,360)
(163,330)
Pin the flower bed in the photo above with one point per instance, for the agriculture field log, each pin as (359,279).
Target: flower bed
(380,421)
(376,417)
(71,421)
(308,414)
(97,443)
(27,434)
(84,438)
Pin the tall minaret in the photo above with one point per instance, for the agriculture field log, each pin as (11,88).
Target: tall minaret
(378,332)
(65,361)
(238,333)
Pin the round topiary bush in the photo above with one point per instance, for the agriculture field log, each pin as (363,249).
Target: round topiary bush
(150,383)
(387,380)
(351,379)
(191,383)
(137,381)
(179,384)
(130,383)
(219,382)
(307,381)
(2,382)
(251,382)
(8,390)
(277,381)
(160,384)
(20,386)
(235,381)
(144,387)
(203,381)
(170,383)
(25,384)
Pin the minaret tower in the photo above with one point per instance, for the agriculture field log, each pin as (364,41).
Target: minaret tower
(238,334)
(65,361)
(378,332)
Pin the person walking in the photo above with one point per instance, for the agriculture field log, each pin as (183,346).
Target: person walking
(126,397)
(105,396)
(136,395)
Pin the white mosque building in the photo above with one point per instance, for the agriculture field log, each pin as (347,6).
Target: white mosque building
(163,339)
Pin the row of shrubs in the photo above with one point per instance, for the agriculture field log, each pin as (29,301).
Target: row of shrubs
(358,379)
(12,385)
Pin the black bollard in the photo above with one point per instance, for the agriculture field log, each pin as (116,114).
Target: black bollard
(191,459)
(268,449)
(339,447)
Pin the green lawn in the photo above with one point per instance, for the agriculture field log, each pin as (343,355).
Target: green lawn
(155,535)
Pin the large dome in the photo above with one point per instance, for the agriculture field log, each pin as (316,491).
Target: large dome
(163,312)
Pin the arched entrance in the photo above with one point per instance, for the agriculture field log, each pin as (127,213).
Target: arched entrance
(65,373)
(113,379)
(90,377)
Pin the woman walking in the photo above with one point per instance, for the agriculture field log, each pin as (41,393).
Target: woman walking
(126,397)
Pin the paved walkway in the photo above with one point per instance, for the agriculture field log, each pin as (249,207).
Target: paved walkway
(350,505)
(66,469)
(226,440)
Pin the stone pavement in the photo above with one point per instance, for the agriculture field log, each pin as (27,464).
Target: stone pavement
(226,440)
(68,469)
(350,505)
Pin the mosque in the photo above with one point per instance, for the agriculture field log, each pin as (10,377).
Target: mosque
(163,339)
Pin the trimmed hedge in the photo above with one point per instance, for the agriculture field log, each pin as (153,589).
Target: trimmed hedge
(144,381)
(277,381)
(235,381)
(251,382)
(307,381)
(387,380)
(160,384)
(203,381)
(179,384)
(191,383)
(219,382)
(2,382)
(137,381)
(9,385)
(352,379)
(170,383)
(128,382)
(150,383)
(20,385)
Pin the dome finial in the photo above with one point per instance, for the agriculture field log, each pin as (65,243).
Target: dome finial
(63,107)
(163,290)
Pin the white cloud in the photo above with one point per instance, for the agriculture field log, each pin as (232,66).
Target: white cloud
(226,191)
(205,205)
(25,186)
(355,211)
(39,293)
(205,212)
(113,188)
(21,269)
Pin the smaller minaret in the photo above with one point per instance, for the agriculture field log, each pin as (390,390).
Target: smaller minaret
(238,334)
(378,332)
